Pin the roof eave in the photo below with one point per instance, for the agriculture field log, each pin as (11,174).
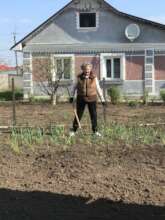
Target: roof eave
(17,47)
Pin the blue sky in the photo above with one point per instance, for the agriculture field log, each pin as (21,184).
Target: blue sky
(23,16)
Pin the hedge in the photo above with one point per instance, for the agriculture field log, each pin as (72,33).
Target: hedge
(7,95)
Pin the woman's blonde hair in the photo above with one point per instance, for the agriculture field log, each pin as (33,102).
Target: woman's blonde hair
(84,65)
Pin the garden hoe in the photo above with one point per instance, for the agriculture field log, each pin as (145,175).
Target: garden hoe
(75,111)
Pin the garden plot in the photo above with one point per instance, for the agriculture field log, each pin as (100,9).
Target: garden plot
(46,175)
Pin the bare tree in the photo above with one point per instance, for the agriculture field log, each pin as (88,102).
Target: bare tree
(48,76)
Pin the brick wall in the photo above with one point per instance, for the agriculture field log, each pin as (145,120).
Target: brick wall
(160,68)
(41,67)
(134,68)
(94,60)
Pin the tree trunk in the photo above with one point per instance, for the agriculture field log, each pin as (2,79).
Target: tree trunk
(53,99)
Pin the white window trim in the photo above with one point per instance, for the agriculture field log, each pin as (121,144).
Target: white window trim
(72,65)
(87,28)
(104,57)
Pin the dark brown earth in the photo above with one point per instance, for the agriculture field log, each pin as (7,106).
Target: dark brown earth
(84,182)
(44,114)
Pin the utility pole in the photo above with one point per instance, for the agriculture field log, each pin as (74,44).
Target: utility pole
(16,55)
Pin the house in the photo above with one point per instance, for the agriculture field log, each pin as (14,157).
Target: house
(126,50)
(7,69)
(6,75)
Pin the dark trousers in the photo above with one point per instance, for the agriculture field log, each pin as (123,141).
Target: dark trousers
(80,105)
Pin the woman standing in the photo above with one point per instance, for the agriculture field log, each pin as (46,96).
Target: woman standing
(87,87)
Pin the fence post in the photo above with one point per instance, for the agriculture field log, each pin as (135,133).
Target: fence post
(13,102)
(104,94)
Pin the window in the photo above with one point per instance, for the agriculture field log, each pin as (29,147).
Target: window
(63,65)
(113,68)
(87,20)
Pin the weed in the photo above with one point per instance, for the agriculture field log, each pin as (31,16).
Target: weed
(113,133)
(133,103)
(145,97)
(15,142)
(162,94)
(57,134)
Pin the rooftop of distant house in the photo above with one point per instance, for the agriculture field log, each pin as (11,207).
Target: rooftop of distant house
(6,68)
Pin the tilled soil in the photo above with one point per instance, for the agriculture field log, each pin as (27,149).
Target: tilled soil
(83,182)
(44,114)
(126,183)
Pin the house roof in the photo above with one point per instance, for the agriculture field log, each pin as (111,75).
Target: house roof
(6,68)
(116,11)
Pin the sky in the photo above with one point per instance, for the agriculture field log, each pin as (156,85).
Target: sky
(23,16)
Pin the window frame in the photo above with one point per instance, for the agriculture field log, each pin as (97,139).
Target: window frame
(87,28)
(63,56)
(104,57)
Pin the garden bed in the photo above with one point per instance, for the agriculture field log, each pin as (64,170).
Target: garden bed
(117,177)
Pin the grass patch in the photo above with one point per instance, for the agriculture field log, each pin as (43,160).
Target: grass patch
(114,133)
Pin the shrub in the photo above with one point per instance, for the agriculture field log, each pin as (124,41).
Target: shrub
(133,103)
(7,95)
(114,93)
(32,99)
(38,99)
(153,99)
(162,94)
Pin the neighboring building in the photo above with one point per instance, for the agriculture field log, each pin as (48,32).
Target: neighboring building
(128,51)
(6,75)
(4,69)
